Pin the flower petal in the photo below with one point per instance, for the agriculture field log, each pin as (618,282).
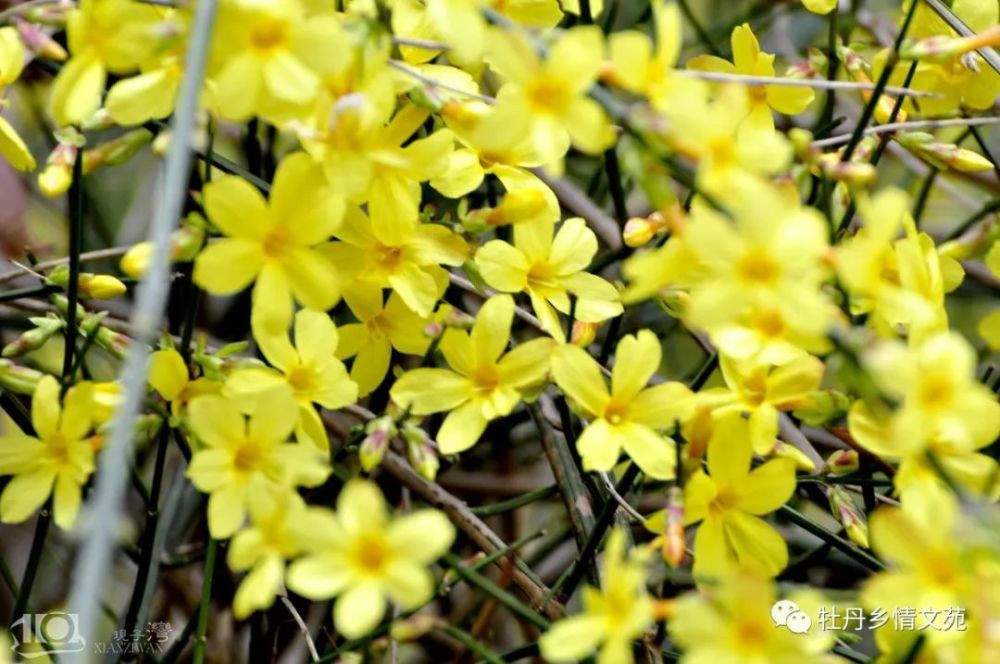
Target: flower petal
(462,428)
(579,376)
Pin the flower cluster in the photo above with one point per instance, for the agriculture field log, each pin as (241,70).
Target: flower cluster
(404,243)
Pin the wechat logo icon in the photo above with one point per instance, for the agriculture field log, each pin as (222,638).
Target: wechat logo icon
(786,613)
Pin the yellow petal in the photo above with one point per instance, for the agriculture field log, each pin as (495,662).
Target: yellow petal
(359,610)
(13,148)
(302,200)
(636,360)
(228,266)
(427,391)
(216,421)
(527,363)
(600,445)
(66,501)
(320,576)
(729,451)
(746,50)
(371,365)
(757,545)
(491,331)
(462,428)
(259,587)
(45,408)
(579,376)
(226,511)
(134,100)
(425,535)
(653,453)
(502,266)
(768,487)
(237,208)
(662,406)
(167,373)
(572,639)
(24,495)
(76,92)
(361,507)
(78,406)
(313,278)
(273,419)
(272,302)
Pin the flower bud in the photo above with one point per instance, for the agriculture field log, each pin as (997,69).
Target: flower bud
(414,627)
(850,517)
(45,328)
(673,540)
(843,462)
(39,41)
(524,204)
(421,451)
(638,231)
(116,151)
(783,450)
(380,432)
(18,379)
(583,333)
(821,406)
(55,179)
(943,155)
(185,243)
(101,286)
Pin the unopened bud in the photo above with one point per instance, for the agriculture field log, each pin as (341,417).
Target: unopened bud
(821,406)
(45,328)
(459,320)
(414,627)
(107,397)
(943,156)
(783,450)
(859,70)
(116,151)
(421,451)
(18,379)
(55,179)
(843,462)
(850,517)
(380,432)
(524,204)
(101,287)
(673,539)
(583,333)
(39,41)
(185,243)
(943,49)
(852,172)
(638,231)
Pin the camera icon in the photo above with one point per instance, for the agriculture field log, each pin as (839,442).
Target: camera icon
(52,633)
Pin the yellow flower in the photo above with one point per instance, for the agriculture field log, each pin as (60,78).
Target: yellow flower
(362,555)
(366,160)
(940,400)
(259,56)
(381,328)
(484,383)
(309,371)
(613,616)
(281,527)
(729,501)
(711,129)
(820,6)
(731,622)
(58,460)
(410,266)
(240,458)
(104,36)
(549,270)
(921,540)
(640,66)
(169,376)
(903,281)
(12,147)
(553,92)
(750,61)
(495,144)
(963,80)
(273,244)
(762,271)
(631,414)
(759,391)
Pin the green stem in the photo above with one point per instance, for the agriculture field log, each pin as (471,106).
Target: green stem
(986,210)
(470,642)
(516,606)
(883,80)
(30,291)
(604,519)
(514,503)
(75,248)
(34,558)
(206,601)
(858,555)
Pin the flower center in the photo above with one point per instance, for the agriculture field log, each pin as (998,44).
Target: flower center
(58,448)
(486,379)
(548,95)
(247,457)
(725,500)
(268,34)
(935,391)
(277,242)
(757,267)
(387,258)
(302,379)
(371,555)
